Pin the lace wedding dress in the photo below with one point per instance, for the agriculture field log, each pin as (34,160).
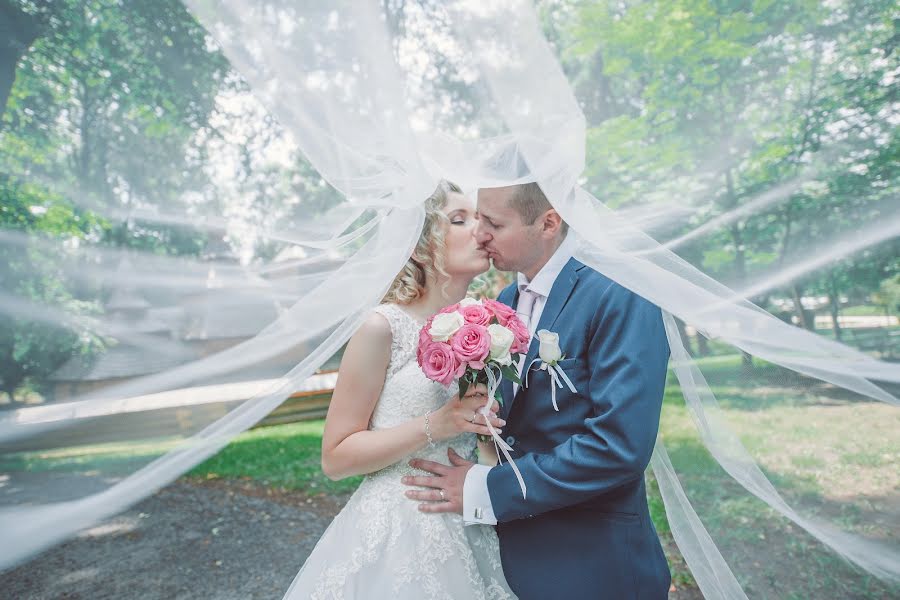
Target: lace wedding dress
(380,545)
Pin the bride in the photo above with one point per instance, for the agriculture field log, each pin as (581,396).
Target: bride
(383,411)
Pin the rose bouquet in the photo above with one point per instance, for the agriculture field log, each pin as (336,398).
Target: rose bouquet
(475,342)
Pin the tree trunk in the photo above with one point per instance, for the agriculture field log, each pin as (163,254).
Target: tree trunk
(737,235)
(702,345)
(740,259)
(11,392)
(834,303)
(796,294)
(18,30)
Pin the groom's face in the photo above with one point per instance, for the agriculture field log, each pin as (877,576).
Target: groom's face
(512,244)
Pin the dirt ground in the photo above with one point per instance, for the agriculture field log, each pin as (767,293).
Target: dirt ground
(190,541)
(219,539)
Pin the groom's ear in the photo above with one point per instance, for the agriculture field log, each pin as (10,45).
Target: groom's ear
(551,223)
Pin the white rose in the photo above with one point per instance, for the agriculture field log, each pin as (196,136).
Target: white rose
(445,325)
(469,302)
(501,341)
(549,349)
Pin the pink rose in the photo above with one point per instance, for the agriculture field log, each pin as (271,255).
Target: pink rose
(472,344)
(439,363)
(449,309)
(424,340)
(500,310)
(523,338)
(476,314)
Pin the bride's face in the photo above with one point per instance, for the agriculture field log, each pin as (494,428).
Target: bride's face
(462,256)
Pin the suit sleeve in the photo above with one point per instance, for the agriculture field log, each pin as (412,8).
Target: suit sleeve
(628,356)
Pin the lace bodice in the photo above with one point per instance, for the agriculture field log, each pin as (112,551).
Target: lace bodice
(407,393)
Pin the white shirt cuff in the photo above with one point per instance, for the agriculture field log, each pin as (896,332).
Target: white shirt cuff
(477,509)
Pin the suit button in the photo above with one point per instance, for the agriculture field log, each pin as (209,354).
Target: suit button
(511,440)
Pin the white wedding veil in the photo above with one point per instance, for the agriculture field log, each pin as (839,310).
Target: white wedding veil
(375,104)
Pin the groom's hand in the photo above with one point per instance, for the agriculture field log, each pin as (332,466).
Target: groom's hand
(450,479)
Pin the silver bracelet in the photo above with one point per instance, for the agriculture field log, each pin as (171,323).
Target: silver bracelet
(428,429)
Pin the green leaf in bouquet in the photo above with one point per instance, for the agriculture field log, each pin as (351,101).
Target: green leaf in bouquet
(463,386)
(510,373)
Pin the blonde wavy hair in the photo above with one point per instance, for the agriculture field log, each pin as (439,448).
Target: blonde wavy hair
(427,259)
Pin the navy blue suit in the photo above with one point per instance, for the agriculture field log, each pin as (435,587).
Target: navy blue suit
(584,530)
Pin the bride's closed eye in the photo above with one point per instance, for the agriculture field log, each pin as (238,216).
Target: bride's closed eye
(458,218)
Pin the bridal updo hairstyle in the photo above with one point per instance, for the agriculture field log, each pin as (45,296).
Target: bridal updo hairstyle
(427,259)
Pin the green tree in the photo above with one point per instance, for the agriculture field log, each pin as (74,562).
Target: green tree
(719,104)
(32,347)
(100,124)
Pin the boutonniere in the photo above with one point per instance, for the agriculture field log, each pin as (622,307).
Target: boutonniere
(550,354)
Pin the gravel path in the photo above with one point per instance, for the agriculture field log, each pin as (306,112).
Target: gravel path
(215,540)
(203,540)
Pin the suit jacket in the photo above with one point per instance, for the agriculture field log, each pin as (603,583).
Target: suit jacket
(584,530)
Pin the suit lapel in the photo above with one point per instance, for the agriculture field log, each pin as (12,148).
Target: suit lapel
(556,301)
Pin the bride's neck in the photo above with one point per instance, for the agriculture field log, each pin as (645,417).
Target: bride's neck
(438,295)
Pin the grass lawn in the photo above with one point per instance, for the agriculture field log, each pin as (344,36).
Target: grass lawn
(864,310)
(286,456)
(830,453)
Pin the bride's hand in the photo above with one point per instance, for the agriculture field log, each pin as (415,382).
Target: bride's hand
(462,415)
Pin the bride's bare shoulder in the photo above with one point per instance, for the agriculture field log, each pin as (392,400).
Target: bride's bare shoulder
(375,331)
(376,324)
(368,351)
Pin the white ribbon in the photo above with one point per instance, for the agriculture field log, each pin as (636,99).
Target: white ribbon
(499,444)
(557,377)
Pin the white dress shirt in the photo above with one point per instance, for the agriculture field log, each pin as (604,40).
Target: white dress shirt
(477,508)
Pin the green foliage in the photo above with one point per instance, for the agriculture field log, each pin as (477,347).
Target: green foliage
(888,295)
(715,105)
(33,346)
(106,102)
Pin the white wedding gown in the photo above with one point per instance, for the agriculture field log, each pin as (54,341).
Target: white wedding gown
(380,545)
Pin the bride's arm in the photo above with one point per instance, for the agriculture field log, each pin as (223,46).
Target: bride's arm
(348,447)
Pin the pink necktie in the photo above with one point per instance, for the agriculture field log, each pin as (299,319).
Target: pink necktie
(525,310)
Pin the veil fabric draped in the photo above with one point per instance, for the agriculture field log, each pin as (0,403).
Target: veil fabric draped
(353,87)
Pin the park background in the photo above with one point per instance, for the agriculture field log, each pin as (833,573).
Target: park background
(662,84)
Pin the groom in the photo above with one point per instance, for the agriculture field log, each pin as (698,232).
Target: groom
(584,530)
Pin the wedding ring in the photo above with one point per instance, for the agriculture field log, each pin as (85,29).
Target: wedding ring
(474,416)
(441,492)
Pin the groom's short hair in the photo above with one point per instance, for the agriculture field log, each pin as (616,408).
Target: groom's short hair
(529,201)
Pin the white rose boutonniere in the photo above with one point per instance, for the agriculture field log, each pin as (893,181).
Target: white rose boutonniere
(549,350)
(550,354)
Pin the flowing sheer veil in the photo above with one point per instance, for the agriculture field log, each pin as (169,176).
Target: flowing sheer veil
(363,93)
